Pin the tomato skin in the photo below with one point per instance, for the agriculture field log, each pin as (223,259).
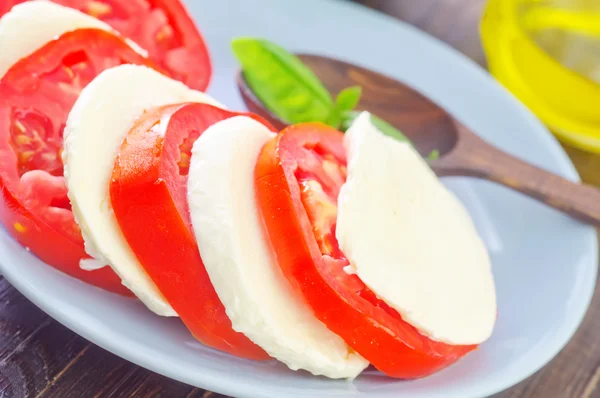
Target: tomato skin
(36,95)
(393,346)
(44,241)
(167,32)
(148,195)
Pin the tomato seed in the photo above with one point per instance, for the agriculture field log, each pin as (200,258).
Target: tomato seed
(22,139)
(165,33)
(49,156)
(184,163)
(20,227)
(333,171)
(25,156)
(19,126)
(69,88)
(69,72)
(98,9)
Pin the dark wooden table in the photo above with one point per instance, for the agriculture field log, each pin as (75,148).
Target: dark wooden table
(41,358)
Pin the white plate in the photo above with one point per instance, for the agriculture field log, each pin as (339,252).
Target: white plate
(544,263)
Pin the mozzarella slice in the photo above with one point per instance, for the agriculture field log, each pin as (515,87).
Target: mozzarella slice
(99,121)
(240,261)
(30,25)
(411,241)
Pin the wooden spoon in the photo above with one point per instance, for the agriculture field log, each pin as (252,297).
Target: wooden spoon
(429,127)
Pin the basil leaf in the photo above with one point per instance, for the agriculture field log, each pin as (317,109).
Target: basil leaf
(286,86)
(348,118)
(335,118)
(383,126)
(348,98)
(433,155)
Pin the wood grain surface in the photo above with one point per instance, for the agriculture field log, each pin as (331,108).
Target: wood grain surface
(41,358)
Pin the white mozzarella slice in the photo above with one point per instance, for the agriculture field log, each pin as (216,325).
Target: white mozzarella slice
(411,241)
(30,25)
(240,260)
(99,121)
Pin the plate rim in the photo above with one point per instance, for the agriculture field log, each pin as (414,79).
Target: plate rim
(218,382)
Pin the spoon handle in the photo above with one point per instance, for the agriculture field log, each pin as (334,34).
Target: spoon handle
(474,157)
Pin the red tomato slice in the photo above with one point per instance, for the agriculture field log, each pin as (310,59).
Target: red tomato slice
(36,95)
(148,195)
(162,27)
(298,177)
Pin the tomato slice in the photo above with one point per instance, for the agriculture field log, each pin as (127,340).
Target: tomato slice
(36,95)
(298,178)
(162,27)
(148,195)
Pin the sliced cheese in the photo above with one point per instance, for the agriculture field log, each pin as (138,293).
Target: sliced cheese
(99,121)
(411,241)
(240,261)
(29,26)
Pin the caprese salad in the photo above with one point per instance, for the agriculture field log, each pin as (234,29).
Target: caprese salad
(323,250)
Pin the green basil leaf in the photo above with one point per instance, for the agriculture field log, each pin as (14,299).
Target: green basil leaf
(433,155)
(335,118)
(383,126)
(348,118)
(286,86)
(348,98)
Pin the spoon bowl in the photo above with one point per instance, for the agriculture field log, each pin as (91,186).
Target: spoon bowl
(427,125)
(430,127)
